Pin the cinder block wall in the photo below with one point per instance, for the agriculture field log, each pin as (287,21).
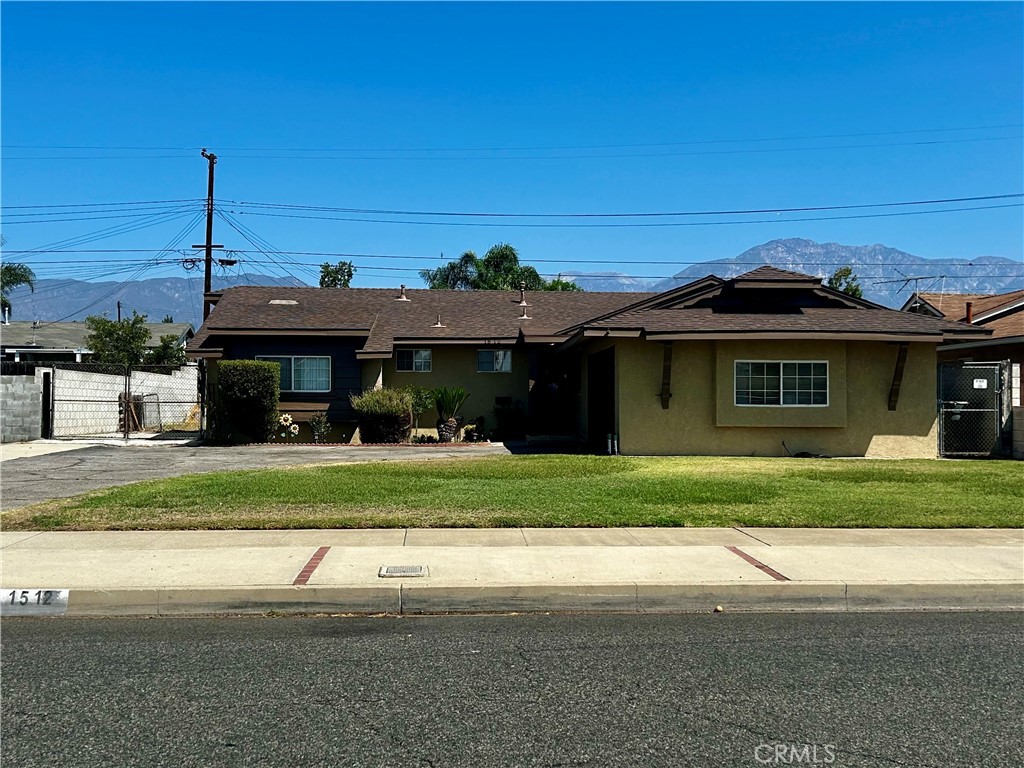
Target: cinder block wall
(1018,433)
(21,410)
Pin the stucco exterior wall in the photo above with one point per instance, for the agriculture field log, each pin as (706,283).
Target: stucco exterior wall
(455,366)
(702,419)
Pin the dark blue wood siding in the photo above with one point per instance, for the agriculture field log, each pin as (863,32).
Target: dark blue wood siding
(346,371)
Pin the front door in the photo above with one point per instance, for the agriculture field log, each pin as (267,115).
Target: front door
(600,399)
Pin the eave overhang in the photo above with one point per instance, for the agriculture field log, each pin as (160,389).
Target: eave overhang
(350,332)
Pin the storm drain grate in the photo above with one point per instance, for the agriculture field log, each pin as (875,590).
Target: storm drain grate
(400,571)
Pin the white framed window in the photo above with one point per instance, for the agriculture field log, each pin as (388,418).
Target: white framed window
(494,361)
(302,374)
(416,360)
(781,382)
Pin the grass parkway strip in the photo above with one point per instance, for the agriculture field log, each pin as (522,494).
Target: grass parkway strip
(558,491)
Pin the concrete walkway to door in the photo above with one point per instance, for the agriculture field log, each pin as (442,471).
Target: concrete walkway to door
(46,469)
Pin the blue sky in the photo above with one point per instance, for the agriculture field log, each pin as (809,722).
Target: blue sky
(651,107)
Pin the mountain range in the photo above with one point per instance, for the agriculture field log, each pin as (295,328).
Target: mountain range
(887,275)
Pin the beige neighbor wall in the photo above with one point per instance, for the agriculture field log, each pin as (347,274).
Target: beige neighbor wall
(703,420)
(455,366)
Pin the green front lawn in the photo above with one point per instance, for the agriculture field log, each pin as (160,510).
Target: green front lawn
(552,491)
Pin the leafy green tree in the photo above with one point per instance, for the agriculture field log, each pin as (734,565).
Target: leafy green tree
(168,352)
(168,319)
(558,284)
(113,341)
(459,275)
(498,270)
(11,276)
(844,279)
(337,275)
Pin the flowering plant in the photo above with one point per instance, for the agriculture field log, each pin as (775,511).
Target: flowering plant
(287,425)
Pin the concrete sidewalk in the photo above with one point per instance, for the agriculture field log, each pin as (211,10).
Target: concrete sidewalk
(501,570)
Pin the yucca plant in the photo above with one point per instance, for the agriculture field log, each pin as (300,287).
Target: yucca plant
(448,401)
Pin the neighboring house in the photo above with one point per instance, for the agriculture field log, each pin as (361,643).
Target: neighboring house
(24,341)
(728,367)
(1001,313)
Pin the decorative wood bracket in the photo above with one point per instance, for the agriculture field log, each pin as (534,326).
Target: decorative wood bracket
(666,373)
(897,376)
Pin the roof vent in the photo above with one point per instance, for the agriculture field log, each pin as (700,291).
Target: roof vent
(438,323)
(522,296)
(402,296)
(525,316)
(283,301)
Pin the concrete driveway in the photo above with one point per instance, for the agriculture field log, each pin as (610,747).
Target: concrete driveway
(43,470)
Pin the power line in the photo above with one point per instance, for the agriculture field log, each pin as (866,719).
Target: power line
(525,148)
(185,231)
(95,205)
(632,224)
(7,222)
(118,229)
(734,212)
(961,263)
(507,158)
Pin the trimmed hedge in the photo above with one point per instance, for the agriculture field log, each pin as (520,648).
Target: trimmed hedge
(248,392)
(384,415)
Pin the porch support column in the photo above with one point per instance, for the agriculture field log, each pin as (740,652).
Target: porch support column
(897,375)
(666,373)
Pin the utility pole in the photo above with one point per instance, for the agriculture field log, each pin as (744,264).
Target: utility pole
(119,311)
(208,246)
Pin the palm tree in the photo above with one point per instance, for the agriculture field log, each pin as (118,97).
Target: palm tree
(11,276)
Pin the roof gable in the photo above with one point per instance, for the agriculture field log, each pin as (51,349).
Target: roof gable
(768,300)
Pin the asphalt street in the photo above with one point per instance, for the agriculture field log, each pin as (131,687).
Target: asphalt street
(929,689)
(33,479)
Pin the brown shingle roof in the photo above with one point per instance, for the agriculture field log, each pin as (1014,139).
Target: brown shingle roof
(740,305)
(848,320)
(464,314)
(769,272)
(711,306)
(954,305)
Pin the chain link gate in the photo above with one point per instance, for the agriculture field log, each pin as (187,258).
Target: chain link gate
(973,408)
(100,400)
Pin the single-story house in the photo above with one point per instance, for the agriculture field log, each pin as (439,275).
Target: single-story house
(25,341)
(717,366)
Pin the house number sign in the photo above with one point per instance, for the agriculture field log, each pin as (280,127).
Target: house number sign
(34,602)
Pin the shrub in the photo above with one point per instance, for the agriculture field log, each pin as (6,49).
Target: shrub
(422,401)
(247,396)
(319,426)
(475,432)
(384,415)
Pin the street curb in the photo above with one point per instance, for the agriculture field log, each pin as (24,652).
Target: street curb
(416,599)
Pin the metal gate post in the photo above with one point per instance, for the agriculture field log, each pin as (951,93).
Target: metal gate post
(127,400)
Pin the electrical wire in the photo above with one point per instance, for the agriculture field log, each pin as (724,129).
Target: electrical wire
(102,234)
(525,148)
(185,231)
(95,205)
(508,158)
(734,212)
(778,220)
(8,222)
